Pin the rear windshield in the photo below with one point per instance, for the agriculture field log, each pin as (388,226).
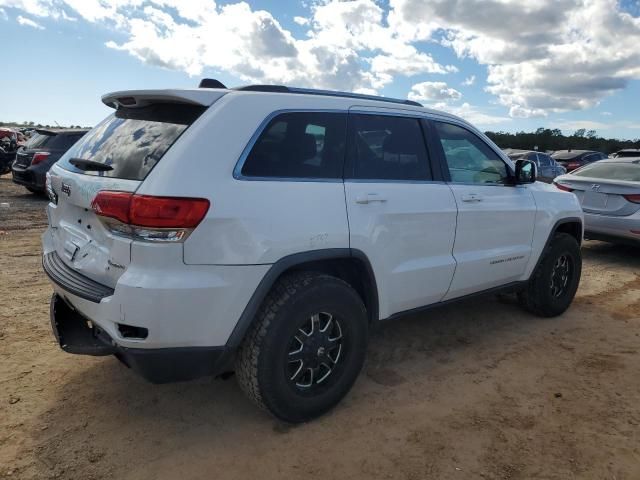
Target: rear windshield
(627,154)
(54,141)
(132,140)
(611,171)
(564,156)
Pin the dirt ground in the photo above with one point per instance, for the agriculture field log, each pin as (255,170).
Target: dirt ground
(474,390)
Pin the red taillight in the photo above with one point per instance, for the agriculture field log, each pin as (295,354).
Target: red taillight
(564,188)
(167,212)
(39,157)
(151,212)
(572,165)
(112,205)
(635,198)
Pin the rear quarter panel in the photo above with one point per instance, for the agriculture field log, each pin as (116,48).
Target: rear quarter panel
(249,221)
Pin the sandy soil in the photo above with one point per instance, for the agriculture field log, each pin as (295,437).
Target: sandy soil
(474,390)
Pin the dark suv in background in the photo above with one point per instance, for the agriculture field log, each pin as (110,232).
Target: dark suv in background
(548,168)
(39,154)
(572,159)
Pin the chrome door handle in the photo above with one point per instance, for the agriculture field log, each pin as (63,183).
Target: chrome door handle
(370,198)
(471,198)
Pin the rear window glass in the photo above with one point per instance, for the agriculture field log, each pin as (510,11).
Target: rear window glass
(299,145)
(564,156)
(627,154)
(611,171)
(387,148)
(61,141)
(132,140)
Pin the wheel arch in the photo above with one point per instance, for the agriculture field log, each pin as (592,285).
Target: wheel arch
(571,225)
(350,265)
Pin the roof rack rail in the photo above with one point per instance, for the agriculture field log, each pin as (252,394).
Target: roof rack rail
(328,93)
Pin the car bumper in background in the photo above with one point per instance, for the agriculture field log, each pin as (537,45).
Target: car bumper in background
(28,178)
(608,228)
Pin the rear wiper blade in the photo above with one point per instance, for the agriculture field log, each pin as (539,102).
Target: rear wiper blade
(86,165)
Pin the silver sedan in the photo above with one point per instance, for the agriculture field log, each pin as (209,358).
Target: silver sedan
(609,192)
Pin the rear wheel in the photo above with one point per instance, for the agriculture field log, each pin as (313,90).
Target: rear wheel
(553,285)
(306,347)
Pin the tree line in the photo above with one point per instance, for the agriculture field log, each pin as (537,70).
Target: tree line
(546,139)
(35,125)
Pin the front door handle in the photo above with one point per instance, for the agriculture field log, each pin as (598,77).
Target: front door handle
(370,198)
(471,198)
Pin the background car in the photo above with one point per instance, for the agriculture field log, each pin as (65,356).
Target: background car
(627,153)
(548,168)
(609,191)
(8,147)
(39,154)
(572,159)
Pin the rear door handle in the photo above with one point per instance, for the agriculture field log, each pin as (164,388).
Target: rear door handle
(471,198)
(370,198)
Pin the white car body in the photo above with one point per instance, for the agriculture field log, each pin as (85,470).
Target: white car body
(426,242)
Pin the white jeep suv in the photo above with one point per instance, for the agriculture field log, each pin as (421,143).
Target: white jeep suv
(267,229)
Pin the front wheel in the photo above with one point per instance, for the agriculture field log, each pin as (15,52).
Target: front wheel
(555,281)
(306,347)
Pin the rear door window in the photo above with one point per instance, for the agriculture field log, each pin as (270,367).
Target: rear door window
(132,140)
(386,148)
(306,145)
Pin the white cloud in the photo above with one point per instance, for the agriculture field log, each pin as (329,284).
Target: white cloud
(544,56)
(473,114)
(27,22)
(607,114)
(433,91)
(3,14)
(347,46)
(469,81)
(541,57)
(301,20)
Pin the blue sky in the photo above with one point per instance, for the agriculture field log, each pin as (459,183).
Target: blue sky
(559,63)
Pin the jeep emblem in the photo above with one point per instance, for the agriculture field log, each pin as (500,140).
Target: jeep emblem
(66,189)
(595,187)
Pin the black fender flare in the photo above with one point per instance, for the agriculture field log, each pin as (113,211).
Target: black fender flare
(286,263)
(554,230)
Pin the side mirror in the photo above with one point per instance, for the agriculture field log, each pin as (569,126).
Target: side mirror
(526,172)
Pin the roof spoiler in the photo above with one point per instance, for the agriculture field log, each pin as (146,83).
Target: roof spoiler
(142,98)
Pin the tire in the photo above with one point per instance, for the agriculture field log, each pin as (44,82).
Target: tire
(268,360)
(547,294)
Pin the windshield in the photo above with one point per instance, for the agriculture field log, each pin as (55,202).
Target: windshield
(132,140)
(629,172)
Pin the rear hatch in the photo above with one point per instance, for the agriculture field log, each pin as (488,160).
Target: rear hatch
(606,188)
(116,155)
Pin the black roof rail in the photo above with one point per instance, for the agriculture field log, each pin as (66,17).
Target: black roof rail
(328,93)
